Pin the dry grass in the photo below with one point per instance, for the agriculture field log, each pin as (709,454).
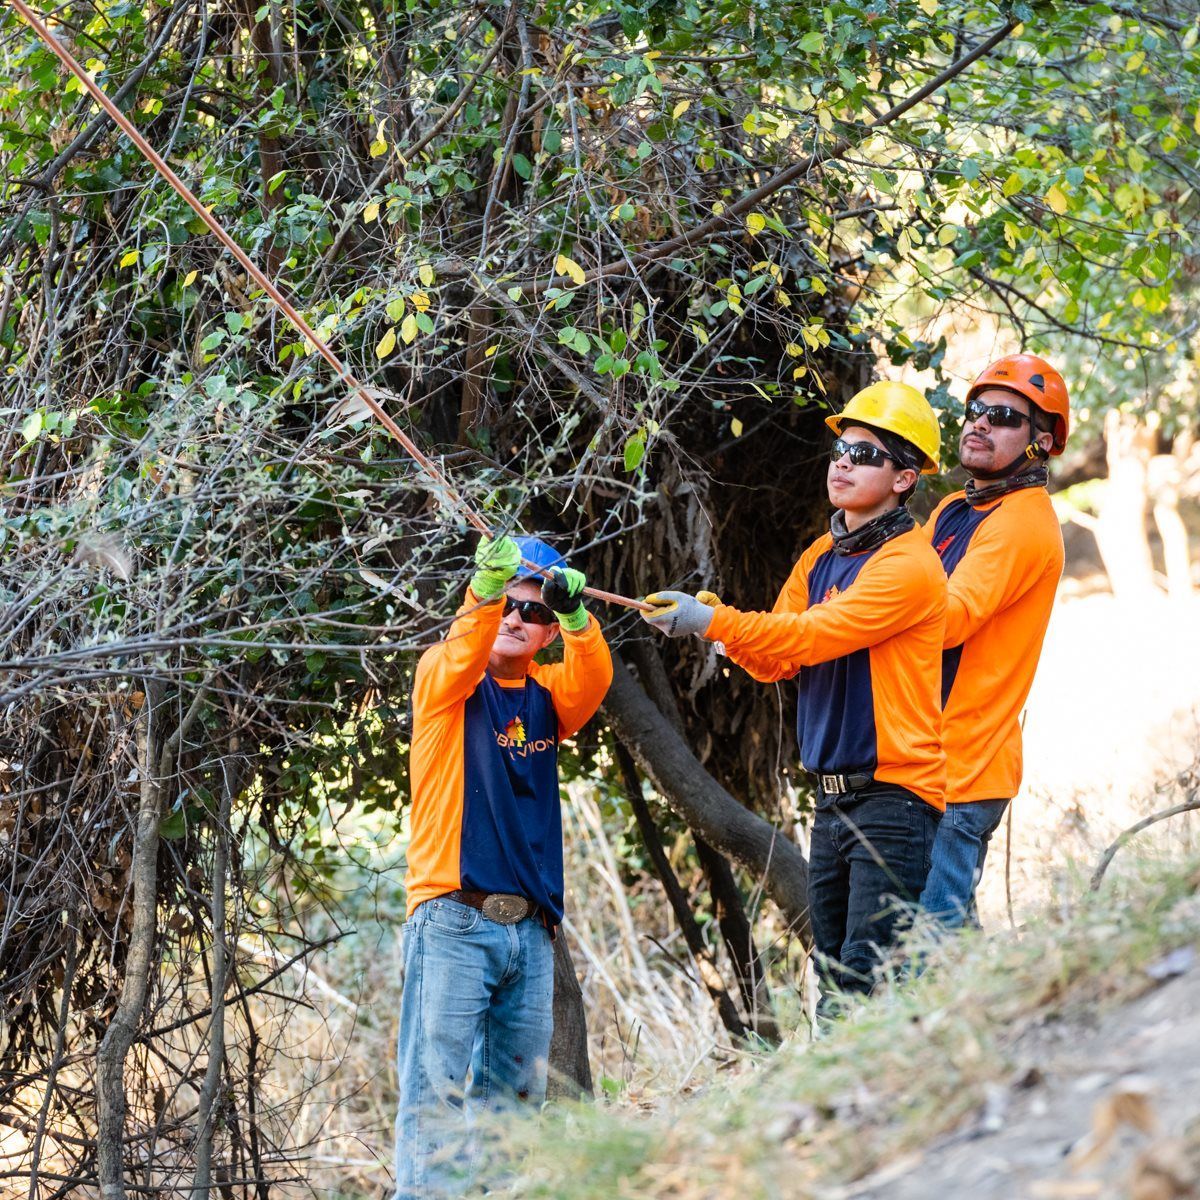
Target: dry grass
(682,1112)
(907,1066)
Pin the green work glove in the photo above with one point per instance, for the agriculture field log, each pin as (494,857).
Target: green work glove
(677,614)
(562,592)
(496,562)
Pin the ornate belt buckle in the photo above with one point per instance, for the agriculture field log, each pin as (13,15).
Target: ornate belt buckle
(831,784)
(504,909)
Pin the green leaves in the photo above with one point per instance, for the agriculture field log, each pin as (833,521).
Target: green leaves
(635,450)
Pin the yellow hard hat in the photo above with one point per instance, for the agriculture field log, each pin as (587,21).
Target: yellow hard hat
(900,409)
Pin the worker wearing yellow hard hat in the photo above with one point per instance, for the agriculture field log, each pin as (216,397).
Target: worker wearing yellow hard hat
(861,621)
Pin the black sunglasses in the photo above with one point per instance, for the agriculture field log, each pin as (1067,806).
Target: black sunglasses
(862,454)
(1002,416)
(532,612)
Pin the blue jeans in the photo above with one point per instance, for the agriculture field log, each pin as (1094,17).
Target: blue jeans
(958,856)
(476,1014)
(868,859)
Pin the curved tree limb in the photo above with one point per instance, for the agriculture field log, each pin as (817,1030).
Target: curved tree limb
(1190,805)
(680,778)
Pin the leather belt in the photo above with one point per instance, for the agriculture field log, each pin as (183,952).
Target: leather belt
(837,785)
(500,907)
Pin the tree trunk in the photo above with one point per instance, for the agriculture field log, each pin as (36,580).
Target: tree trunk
(1165,480)
(702,802)
(570,1071)
(739,941)
(118,1037)
(706,965)
(1121,527)
(208,1113)
(156,764)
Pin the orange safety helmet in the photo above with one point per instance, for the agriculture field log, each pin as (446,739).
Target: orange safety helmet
(1036,380)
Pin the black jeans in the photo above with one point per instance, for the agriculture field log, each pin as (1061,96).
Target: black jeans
(869,857)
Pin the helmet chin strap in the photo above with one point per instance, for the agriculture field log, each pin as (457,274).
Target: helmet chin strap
(1033,453)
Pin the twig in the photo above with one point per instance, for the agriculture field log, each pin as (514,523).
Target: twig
(1189,805)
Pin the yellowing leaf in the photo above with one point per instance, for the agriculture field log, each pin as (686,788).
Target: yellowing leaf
(408,329)
(701,334)
(681,108)
(793,350)
(782,298)
(756,223)
(736,427)
(818,285)
(719,207)
(651,55)
(1105,321)
(379,145)
(191,278)
(420,301)
(928,7)
(1056,199)
(387,343)
(1196,122)
(371,212)
(129,258)
(490,351)
(568,266)
(799,372)
(425,274)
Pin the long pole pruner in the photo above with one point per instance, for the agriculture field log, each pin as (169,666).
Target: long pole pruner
(442,484)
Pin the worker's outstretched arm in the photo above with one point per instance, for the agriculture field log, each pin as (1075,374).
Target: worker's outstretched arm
(450,671)
(893,593)
(580,682)
(792,598)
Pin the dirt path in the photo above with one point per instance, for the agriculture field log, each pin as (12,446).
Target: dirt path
(1137,1065)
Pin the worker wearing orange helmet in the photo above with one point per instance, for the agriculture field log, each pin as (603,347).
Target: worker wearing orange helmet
(860,620)
(1002,550)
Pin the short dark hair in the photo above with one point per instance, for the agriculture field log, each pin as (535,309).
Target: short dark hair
(1043,422)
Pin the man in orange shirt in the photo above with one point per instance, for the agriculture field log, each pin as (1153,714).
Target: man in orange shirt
(861,619)
(485,866)
(1000,544)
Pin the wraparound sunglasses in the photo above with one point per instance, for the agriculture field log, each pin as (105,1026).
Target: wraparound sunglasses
(1002,416)
(532,612)
(861,454)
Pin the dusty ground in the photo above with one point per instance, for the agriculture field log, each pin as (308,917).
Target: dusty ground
(1109,1108)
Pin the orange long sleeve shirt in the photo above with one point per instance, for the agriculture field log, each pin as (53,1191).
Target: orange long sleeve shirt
(486,812)
(1003,563)
(865,631)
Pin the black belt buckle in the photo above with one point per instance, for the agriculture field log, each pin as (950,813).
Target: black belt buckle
(504,909)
